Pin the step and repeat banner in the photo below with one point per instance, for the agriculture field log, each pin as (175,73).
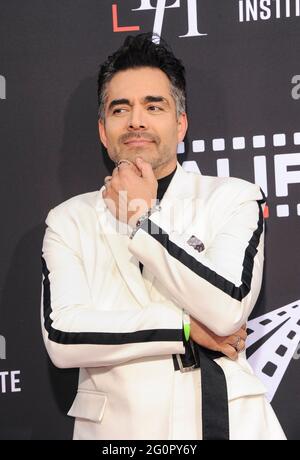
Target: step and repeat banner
(243,76)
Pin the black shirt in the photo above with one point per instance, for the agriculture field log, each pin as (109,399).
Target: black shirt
(163,184)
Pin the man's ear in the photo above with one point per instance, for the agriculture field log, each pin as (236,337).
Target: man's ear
(102,133)
(182,126)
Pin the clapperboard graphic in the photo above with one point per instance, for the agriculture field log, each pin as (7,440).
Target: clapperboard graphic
(272,341)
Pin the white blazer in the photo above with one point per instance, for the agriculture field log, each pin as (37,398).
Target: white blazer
(121,327)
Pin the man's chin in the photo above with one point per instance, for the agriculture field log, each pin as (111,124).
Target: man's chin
(138,153)
(133,154)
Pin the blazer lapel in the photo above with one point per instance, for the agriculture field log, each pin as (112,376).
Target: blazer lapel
(172,204)
(117,237)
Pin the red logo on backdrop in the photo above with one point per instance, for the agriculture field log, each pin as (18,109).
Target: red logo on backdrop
(115,19)
(159,15)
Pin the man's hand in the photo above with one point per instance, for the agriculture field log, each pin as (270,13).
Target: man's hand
(130,191)
(230,345)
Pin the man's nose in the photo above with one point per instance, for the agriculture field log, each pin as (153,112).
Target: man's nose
(137,119)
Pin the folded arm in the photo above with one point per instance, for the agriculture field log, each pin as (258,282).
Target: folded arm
(219,286)
(78,333)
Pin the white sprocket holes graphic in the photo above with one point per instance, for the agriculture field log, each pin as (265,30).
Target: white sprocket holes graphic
(283,162)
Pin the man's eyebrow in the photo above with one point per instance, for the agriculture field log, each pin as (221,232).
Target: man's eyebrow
(115,102)
(147,99)
(156,99)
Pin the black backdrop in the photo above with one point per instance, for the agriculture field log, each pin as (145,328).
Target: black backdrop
(242,61)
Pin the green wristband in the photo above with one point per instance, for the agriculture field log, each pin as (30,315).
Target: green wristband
(187,331)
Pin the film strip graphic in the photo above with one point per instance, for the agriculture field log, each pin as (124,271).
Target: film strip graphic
(241,143)
(272,341)
(260,145)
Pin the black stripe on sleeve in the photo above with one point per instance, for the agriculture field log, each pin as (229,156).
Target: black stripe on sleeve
(236,292)
(263,200)
(99,338)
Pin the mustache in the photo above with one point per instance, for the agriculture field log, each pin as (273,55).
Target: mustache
(139,135)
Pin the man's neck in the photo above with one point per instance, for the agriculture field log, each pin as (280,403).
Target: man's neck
(160,173)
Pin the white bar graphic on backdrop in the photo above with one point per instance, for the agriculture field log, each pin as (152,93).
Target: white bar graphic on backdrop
(2,87)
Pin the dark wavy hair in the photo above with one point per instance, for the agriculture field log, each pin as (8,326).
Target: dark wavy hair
(141,51)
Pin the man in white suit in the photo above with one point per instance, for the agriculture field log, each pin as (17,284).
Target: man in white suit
(148,282)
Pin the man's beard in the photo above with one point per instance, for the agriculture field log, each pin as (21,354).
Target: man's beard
(138,135)
(162,156)
(158,158)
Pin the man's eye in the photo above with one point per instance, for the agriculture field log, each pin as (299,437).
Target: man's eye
(154,108)
(118,111)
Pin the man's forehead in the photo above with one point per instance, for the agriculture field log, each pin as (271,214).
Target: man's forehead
(139,83)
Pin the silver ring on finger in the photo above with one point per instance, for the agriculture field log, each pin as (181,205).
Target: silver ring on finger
(123,161)
(237,343)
